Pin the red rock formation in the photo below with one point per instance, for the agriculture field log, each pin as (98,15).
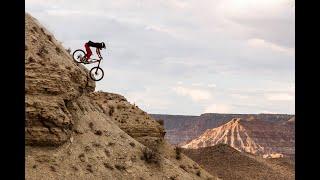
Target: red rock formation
(253,136)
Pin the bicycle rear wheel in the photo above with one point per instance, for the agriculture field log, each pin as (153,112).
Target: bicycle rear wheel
(96,73)
(78,55)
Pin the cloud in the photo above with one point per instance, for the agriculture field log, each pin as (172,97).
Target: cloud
(195,94)
(197,84)
(239,96)
(148,101)
(279,97)
(260,43)
(212,85)
(218,108)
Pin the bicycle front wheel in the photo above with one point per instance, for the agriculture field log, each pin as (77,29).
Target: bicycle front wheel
(96,73)
(78,55)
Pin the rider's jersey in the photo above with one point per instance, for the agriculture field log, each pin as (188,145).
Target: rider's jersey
(93,44)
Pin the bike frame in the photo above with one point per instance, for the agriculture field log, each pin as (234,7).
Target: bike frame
(91,61)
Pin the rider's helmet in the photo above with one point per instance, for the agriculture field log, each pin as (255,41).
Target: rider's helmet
(103,45)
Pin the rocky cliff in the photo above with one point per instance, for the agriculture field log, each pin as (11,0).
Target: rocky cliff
(73,132)
(268,139)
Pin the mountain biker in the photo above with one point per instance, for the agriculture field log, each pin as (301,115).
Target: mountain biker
(98,47)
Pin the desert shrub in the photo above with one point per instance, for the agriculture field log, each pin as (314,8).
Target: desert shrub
(150,156)
(142,113)
(173,177)
(107,152)
(89,168)
(183,167)
(111,111)
(98,132)
(53,169)
(120,106)
(35,29)
(58,50)
(49,37)
(120,167)
(107,165)
(31,59)
(178,152)
(111,143)
(42,30)
(160,121)
(198,173)
(91,125)
(42,51)
(68,50)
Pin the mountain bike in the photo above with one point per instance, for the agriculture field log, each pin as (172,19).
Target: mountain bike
(96,73)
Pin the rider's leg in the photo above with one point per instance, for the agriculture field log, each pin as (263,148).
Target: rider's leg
(89,52)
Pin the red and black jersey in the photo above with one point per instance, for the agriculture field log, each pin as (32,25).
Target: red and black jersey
(94,44)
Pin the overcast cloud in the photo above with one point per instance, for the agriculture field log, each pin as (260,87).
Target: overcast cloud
(186,56)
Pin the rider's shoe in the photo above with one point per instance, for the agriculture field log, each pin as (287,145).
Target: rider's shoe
(84,60)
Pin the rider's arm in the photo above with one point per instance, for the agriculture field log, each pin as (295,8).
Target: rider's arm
(98,52)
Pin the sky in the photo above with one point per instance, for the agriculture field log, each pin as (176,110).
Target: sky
(185,56)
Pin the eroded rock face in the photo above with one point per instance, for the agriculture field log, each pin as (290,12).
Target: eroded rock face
(52,80)
(251,135)
(137,123)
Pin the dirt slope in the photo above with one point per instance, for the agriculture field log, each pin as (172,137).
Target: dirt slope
(229,164)
(71,132)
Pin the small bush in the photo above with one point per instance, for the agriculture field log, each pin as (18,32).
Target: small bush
(173,177)
(42,30)
(58,50)
(178,152)
(91,125)
(120,106)
(68,50)
(198,173)
(183,167)
(82,157)
(49,37)
(132,144)
(111,111)
(120,167)
(53,169)
(98,132)
(111,143)
(160,121)
(31,59)
(42,51)
(107,165)
(150,156)
(107,152)
(89,168)
(35,29)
